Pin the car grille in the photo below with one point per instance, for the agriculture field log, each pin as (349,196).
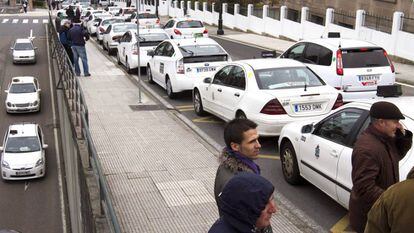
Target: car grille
(22,105)
(24,56)
(22,168)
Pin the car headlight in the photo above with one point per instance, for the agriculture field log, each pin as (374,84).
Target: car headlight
(35,103)
(39,162)
(5,164)
(9,104)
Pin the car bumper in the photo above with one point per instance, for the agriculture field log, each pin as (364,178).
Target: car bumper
(22,109)
(24,59)
(113,45)
(10,174)
(182,82)
(349,96)
(143,61)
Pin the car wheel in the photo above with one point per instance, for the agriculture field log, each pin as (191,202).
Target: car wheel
(198,104)
(169,89)
(149,74)
(103,46)
(118,59)
(100,41)
(241,115)
(108,49)
(128,68)
(290,165)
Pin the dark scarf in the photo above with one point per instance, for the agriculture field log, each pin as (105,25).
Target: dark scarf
(248,162)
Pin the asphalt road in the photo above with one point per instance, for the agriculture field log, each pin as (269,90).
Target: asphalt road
(31,206)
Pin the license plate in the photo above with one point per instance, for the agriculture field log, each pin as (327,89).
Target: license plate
(369,80)
(22,173)
(307,107)
(206,69)
(198,35)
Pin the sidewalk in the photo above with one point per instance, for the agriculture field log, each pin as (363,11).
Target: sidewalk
(160,173)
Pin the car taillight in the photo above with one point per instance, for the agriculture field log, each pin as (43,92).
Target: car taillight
(135,50)
(338,103)
(180,66)
(177,32)
(101,29)
(205,31)
(273,107)
(339,65)
(389,61)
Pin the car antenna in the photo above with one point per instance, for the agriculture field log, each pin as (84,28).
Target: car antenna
(305,85)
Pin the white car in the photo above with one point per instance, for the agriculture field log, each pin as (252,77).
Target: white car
(89,15)
(113,10)
(23,152)
(354,67)
(23,51)
(145,19)
(113,33)
(94,21)
(104,24)
(320,151)
(127,49)
(177,64)
(23,95)
(126,12)
(185,28)
(270,92)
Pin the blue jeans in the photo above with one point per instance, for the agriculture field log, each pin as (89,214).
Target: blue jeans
(80,52)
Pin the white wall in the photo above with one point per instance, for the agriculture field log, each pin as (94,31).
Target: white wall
(312,30)
(405,46)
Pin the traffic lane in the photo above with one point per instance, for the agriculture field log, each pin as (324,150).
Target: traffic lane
(239,51)
(33,205)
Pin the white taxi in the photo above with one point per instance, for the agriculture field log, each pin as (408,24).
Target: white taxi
(320,151)
(145,18)
(23,51)
(185,28)
(23,95)
(104,24)
(127,54)
(177,64)
(113,33)
(93,21)
(23,152)
(270,92)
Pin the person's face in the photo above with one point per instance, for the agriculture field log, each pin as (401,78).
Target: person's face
(266,214)
(250,146)
(389,127)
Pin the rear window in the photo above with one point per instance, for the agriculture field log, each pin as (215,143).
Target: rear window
(124,28)
(210,58)
(357,58)
(111,21)
(201,50)
(282,78)
(190,24)
(147,16)
(152,39)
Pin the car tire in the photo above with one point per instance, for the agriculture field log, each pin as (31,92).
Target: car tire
(289,162)
(149,74)
(118,59)
(128,68)
(103,46)
(100,42)
(198,104)
(241,115)
(108,49)
(168,88)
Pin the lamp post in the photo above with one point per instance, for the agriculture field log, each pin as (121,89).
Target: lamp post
(185,8)
(156,8)
(138,5)
(220,20)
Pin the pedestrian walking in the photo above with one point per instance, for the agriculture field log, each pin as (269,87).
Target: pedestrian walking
(77,14)
(247,205)
(63,37)
(70,13)
(78,36)
(58,21)
(25,6)
(375,158)
(393,212)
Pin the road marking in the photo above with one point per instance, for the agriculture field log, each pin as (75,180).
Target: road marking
(25,20)
(208,119)
(269,157)
(15,20)
(55,132)
(35,21)
(185,108)
(45,21)
(5,21)
(341,225)
(26,186)
(405,84)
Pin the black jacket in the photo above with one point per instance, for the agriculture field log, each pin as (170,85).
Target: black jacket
(78,35)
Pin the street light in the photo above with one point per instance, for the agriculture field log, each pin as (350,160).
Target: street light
(220,20)
(185,8)
(138,6)
(156,8)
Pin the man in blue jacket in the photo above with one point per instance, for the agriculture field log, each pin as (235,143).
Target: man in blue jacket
(246,204)
(78,36)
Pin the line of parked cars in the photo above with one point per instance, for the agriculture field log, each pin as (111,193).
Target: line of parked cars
(23,147)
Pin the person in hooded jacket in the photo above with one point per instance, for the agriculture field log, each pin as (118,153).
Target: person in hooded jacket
(246,204)
(64,39)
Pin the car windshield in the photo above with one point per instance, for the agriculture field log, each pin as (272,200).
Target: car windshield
(357,58)
(201,50)
(190,24)
(153,37)
(22,144)
(147,16)
(124,27)
(291,77)
(23,46)
(22,88)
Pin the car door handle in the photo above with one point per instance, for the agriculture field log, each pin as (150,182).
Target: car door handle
(334,153)
(219,90)
(237,94)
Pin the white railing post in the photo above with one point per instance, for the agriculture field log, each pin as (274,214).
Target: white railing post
(196,5)
(304,16)
(359,22)
(249,10)
(397,23)
(188,6)
(236,9)
(265,11)
(224,7)
(329,17)
(204,6)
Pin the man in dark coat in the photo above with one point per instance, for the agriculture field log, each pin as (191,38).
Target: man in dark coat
(393,212)
(63,37)
(375,160)
(246,203)
(70,13)
(78,36)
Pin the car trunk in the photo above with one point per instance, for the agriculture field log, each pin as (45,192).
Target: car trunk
(205,66)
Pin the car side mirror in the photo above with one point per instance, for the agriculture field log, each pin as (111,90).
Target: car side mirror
(95,24)
(39,90)
(45,146)
(207,80)
(11,48)
(151,53)
(6,91)
(35,48)
(307,128)
(1,148)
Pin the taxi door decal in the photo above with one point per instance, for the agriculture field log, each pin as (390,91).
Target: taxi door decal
(162,68)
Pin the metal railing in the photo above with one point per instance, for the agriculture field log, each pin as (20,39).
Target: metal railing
(243,10)
(230,9)
(379,23)
(274,13)
(74,96)
(258,12)
(293,15)
(407,24)
(344,19)
(316,18)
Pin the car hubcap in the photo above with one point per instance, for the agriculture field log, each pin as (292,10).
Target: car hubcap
(288,162)
(197,102)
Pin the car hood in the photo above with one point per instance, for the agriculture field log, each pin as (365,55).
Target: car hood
(22,160)
(23,53)
(22,98)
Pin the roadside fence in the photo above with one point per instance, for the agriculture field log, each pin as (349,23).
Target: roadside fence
(344,19)
(379,23)
(407,24)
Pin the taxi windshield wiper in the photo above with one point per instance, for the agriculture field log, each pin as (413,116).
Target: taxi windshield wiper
(187,51)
